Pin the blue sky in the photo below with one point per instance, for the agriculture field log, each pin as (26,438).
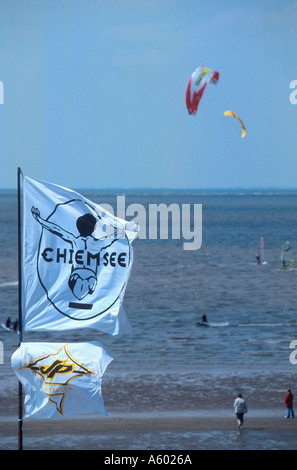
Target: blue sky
(94,93)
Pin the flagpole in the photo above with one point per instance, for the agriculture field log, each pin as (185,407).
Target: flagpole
(20,323)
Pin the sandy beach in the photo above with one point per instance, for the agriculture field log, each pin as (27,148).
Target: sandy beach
(145,433)
(192,412)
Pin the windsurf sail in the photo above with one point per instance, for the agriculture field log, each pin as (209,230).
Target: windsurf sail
(260,256)
(286,255)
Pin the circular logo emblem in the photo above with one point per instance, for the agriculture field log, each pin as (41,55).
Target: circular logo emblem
(83,260)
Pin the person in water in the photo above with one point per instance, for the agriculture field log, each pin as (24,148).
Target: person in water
(204,318)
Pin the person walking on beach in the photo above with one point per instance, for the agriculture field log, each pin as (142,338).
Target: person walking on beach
(289,404)
(240,407)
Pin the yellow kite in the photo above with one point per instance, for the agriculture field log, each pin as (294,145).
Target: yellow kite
(230,113)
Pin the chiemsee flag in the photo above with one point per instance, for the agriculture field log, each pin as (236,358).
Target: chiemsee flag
(61,379)
(76,261)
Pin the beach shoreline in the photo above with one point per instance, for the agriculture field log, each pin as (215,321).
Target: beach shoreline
(159,412)
(152,433)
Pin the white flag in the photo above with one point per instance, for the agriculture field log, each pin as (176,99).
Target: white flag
(77,259)
(61,380)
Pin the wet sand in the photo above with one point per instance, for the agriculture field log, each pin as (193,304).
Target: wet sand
(145,433)
(188,413)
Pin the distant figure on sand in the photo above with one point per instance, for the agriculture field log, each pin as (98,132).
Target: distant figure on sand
(289,404)
(240,407)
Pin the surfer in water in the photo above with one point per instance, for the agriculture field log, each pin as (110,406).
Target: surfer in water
(204,318)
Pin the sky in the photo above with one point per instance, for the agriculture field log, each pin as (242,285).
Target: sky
(94,93)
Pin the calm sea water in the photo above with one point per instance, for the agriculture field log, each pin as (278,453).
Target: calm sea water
(252,308)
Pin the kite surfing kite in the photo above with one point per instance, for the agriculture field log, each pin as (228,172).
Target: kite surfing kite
(196,86)
(230,113)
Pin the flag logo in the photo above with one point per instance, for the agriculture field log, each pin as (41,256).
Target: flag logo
(77,259)
(61,379)
(57,370)
(81,255)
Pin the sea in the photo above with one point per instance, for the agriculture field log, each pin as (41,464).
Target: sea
(169,365)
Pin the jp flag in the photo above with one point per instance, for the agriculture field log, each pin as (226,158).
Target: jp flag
(76,261)
(61,380)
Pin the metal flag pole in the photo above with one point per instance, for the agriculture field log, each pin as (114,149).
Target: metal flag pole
(20,325)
